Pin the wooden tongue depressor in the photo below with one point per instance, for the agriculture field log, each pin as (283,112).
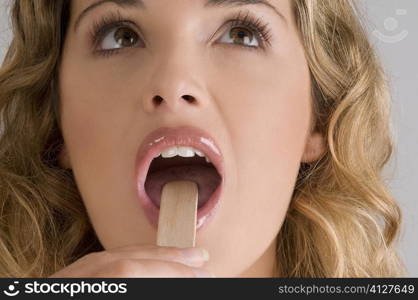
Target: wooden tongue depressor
(178,209)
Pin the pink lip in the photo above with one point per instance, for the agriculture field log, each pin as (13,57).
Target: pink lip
(163,138)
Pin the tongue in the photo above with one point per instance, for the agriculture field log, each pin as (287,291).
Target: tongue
(206,178)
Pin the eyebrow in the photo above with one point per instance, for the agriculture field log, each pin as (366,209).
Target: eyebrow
(209,3)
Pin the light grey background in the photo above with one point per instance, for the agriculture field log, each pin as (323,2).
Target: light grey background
(393,29)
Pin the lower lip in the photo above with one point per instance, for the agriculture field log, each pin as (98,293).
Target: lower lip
(204,214)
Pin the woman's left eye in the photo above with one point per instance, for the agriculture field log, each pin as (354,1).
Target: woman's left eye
(241,36)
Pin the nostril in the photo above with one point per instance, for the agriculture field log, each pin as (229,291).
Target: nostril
(189,98)
(157,100)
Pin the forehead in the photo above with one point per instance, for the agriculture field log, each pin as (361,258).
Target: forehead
(283,6)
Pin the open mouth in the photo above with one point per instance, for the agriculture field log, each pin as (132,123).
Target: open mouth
(171,165)
(180,153)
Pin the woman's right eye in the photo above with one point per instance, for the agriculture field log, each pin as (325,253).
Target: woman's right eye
(118,37)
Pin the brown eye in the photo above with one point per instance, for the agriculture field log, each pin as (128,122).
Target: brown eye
(247,31)
(121,37)
(125,37)
(241,34)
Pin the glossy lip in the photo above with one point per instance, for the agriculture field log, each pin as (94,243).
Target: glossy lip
(165,137)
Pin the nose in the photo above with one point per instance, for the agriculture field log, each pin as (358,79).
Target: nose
(174,85)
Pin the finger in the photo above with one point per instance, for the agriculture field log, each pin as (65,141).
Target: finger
(90,263)
(194,257)
(147,268)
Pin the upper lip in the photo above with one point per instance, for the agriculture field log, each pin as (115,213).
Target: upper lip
(165,137)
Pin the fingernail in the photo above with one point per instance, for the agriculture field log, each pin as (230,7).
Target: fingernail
(195,254)
(202,273)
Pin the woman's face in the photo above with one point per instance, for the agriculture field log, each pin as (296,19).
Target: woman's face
(255,103)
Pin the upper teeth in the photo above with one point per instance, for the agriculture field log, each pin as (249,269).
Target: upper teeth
(183,152)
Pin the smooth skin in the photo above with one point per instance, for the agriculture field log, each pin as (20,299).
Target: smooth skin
(256,103)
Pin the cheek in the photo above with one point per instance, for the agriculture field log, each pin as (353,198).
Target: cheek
(268,110)
(94,130)
(92,115)
(102,140)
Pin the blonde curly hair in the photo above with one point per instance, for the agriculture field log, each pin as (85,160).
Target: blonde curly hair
(342,220)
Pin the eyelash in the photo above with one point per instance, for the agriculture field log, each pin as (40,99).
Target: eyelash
(115,20)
